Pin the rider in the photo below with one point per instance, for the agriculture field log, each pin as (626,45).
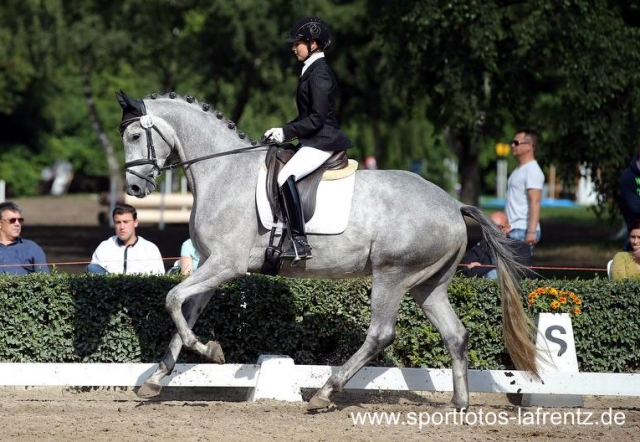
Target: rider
(316,126)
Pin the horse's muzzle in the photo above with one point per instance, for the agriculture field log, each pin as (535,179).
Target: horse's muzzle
(140,191)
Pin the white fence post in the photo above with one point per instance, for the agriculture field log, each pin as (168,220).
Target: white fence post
(276,379)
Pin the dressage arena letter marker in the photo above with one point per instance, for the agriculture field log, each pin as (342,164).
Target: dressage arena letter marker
(556,353)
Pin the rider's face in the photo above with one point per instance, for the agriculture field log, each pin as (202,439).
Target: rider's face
(300,50)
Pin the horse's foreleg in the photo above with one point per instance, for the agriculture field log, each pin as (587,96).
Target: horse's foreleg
(436,306)
(153,384)
(385,300)
(199,282)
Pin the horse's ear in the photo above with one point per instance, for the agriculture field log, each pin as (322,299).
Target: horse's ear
(131,108)
(123,99)
(120,99)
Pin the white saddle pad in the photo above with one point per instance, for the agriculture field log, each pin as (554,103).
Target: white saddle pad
(333,201)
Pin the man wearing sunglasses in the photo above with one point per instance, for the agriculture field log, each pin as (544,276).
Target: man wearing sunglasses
(524,190)
(18,255)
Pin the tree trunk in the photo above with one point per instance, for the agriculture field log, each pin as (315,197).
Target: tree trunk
(112,159)
(469,175)
(467,153)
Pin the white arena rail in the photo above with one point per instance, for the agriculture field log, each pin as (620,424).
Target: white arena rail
(277,377)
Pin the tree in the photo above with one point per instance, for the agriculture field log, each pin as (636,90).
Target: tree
(26,62)
(568,68)
(451,53)
(588,54)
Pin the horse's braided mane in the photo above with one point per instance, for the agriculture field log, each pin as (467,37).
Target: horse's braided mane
(204,106)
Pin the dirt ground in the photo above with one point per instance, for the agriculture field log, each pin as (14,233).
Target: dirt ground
(68,230)
(116,414)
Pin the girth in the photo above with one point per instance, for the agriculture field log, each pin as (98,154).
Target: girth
(277,157)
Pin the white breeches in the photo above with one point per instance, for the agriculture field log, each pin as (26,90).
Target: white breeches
(305,161)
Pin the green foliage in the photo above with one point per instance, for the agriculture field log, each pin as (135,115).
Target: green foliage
(420,79)
(17,169)
(88,318)
(607,332)
(567,69)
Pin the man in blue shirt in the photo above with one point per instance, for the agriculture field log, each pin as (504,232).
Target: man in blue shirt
(17,255)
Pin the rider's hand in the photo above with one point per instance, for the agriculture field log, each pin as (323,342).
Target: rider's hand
(275,134)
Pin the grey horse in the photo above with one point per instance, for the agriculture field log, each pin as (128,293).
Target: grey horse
(404,231)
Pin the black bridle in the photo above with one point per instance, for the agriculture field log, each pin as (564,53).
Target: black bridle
(156,170)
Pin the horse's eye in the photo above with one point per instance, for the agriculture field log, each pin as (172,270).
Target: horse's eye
(135,137)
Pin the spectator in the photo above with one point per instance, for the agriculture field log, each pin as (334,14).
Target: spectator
(189,258)
(480,255)
(627,264)
(21,255)
(126,252)
(630,191)
(524,190)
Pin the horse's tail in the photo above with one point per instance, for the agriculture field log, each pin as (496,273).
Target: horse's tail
(518,329)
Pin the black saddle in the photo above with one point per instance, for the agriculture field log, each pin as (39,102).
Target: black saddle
(277,157)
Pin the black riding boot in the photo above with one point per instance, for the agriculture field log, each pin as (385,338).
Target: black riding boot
(293,216)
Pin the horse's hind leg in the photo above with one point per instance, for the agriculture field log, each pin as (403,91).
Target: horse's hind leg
(153,384)
(438,310)
(385,299)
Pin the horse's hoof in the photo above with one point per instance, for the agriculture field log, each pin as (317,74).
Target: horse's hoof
(459,406)
(214,352)
(149,390)
(318,403)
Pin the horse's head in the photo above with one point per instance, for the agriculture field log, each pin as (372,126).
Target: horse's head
(148,141)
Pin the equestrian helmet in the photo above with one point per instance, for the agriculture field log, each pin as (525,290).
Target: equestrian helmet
(309,29)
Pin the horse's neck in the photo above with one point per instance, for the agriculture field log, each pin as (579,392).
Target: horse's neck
(200,135)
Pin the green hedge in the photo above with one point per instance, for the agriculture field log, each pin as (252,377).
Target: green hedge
(89,318)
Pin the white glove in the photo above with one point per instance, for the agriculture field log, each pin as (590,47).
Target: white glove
(275,134)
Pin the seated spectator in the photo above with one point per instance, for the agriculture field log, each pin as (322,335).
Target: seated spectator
(189,258)
(126,252)
(627,264)
(630,192)
(18,254)
(480,255)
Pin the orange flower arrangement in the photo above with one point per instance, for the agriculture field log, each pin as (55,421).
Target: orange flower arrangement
(550,300)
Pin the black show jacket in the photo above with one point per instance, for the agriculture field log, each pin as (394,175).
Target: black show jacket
(316,125)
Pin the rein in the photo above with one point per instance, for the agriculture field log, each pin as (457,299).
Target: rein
(147,125)
(215,155)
